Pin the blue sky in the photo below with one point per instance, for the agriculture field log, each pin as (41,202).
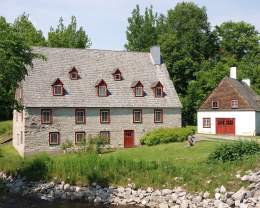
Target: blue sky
(106,20)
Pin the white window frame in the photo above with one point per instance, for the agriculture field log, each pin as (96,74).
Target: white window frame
(77,116)
(160,111)
(234,102)
(43,111)
(156,92)
(212,104)
(117,77)
(207,123)
(107,112)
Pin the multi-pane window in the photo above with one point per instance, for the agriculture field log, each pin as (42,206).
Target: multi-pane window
(206,122)
(158,116)
(104,116)
(139,91)
(158,92)
(80,116)
(215,104)
(234,103)
(73,75)
(54,138)
(137,116)
(46,116)
(80,137)
(102,91)
(57,90)
(105,135)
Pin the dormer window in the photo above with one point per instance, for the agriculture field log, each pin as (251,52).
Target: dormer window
(57,88)
(158,89)
(102,88)
(138,89)
(73,74)
(215,104)
(234,104)
(117,75)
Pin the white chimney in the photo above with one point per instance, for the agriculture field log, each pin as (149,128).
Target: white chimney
(156,55)
(247,82)
(233,72)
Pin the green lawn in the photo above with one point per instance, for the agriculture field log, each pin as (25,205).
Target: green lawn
(5,130)
(167,165)
(177,153)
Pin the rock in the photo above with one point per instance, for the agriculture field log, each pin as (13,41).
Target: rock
(184,204)
(66,187)
(97,200)
(230,202)
(206,195)
(240,195)
(149,189)
(77,189)
(197,199)
(163,205)
(222,190)
(166,191)
(245,178)
(174,197)
(217,196)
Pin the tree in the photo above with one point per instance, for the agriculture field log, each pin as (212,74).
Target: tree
(237,39)
(186,43)
(15,59)
(141,32)
(68,36)
(24,27)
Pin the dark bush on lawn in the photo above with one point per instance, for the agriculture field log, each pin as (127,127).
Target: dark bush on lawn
(166,135)
(234,151)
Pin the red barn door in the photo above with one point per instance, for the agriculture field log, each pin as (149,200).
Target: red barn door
(129,140)
(225,126)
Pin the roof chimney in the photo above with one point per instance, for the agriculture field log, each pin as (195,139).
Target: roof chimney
(233,72)
(156,55)
(247,82)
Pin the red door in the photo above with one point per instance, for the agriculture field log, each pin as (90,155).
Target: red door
(129,138)
(225,125)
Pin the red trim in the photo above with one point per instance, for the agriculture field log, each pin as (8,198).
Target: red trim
(129,138)
(161,110)
(100,117)
(138,110)
(117,72)
(80,122)
(204,123)
(101,83)
(62,90)
(58,138)
(51,118)
(79,132)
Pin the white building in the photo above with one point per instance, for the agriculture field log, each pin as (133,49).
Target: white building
(233,108)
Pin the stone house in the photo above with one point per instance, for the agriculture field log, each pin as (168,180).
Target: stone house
(233,108)
(78,93)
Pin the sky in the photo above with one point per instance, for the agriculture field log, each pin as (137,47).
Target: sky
(105,21)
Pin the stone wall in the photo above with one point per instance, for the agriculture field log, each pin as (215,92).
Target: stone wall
(18,131)
(37,134)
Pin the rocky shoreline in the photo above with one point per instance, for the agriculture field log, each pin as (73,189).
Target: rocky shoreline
(166,198)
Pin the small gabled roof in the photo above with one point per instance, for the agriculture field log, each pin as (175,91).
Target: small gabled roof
(57,82)
(136,83)
(73,70)
(116,71)
(99,82)
(155,84)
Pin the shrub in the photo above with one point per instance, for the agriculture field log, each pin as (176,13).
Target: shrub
(36,168)
(234,151)
(167,135)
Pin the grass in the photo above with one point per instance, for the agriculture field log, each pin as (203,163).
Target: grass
(5,130)
(161,166)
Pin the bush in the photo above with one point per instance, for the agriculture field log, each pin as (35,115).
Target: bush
(166,135)
(234,151)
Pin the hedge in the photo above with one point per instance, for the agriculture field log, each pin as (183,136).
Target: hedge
(167,135)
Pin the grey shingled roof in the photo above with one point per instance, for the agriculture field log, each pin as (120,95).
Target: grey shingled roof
(94,65)
(246,92)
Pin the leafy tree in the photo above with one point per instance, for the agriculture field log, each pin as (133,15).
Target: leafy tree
(141,32)
(237,39)
(68,36)
(32,36)
(186,43)
(15,59)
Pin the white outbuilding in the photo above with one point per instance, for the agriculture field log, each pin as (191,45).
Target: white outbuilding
(232,108)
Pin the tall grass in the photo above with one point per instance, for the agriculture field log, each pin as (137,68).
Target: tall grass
(5,127)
